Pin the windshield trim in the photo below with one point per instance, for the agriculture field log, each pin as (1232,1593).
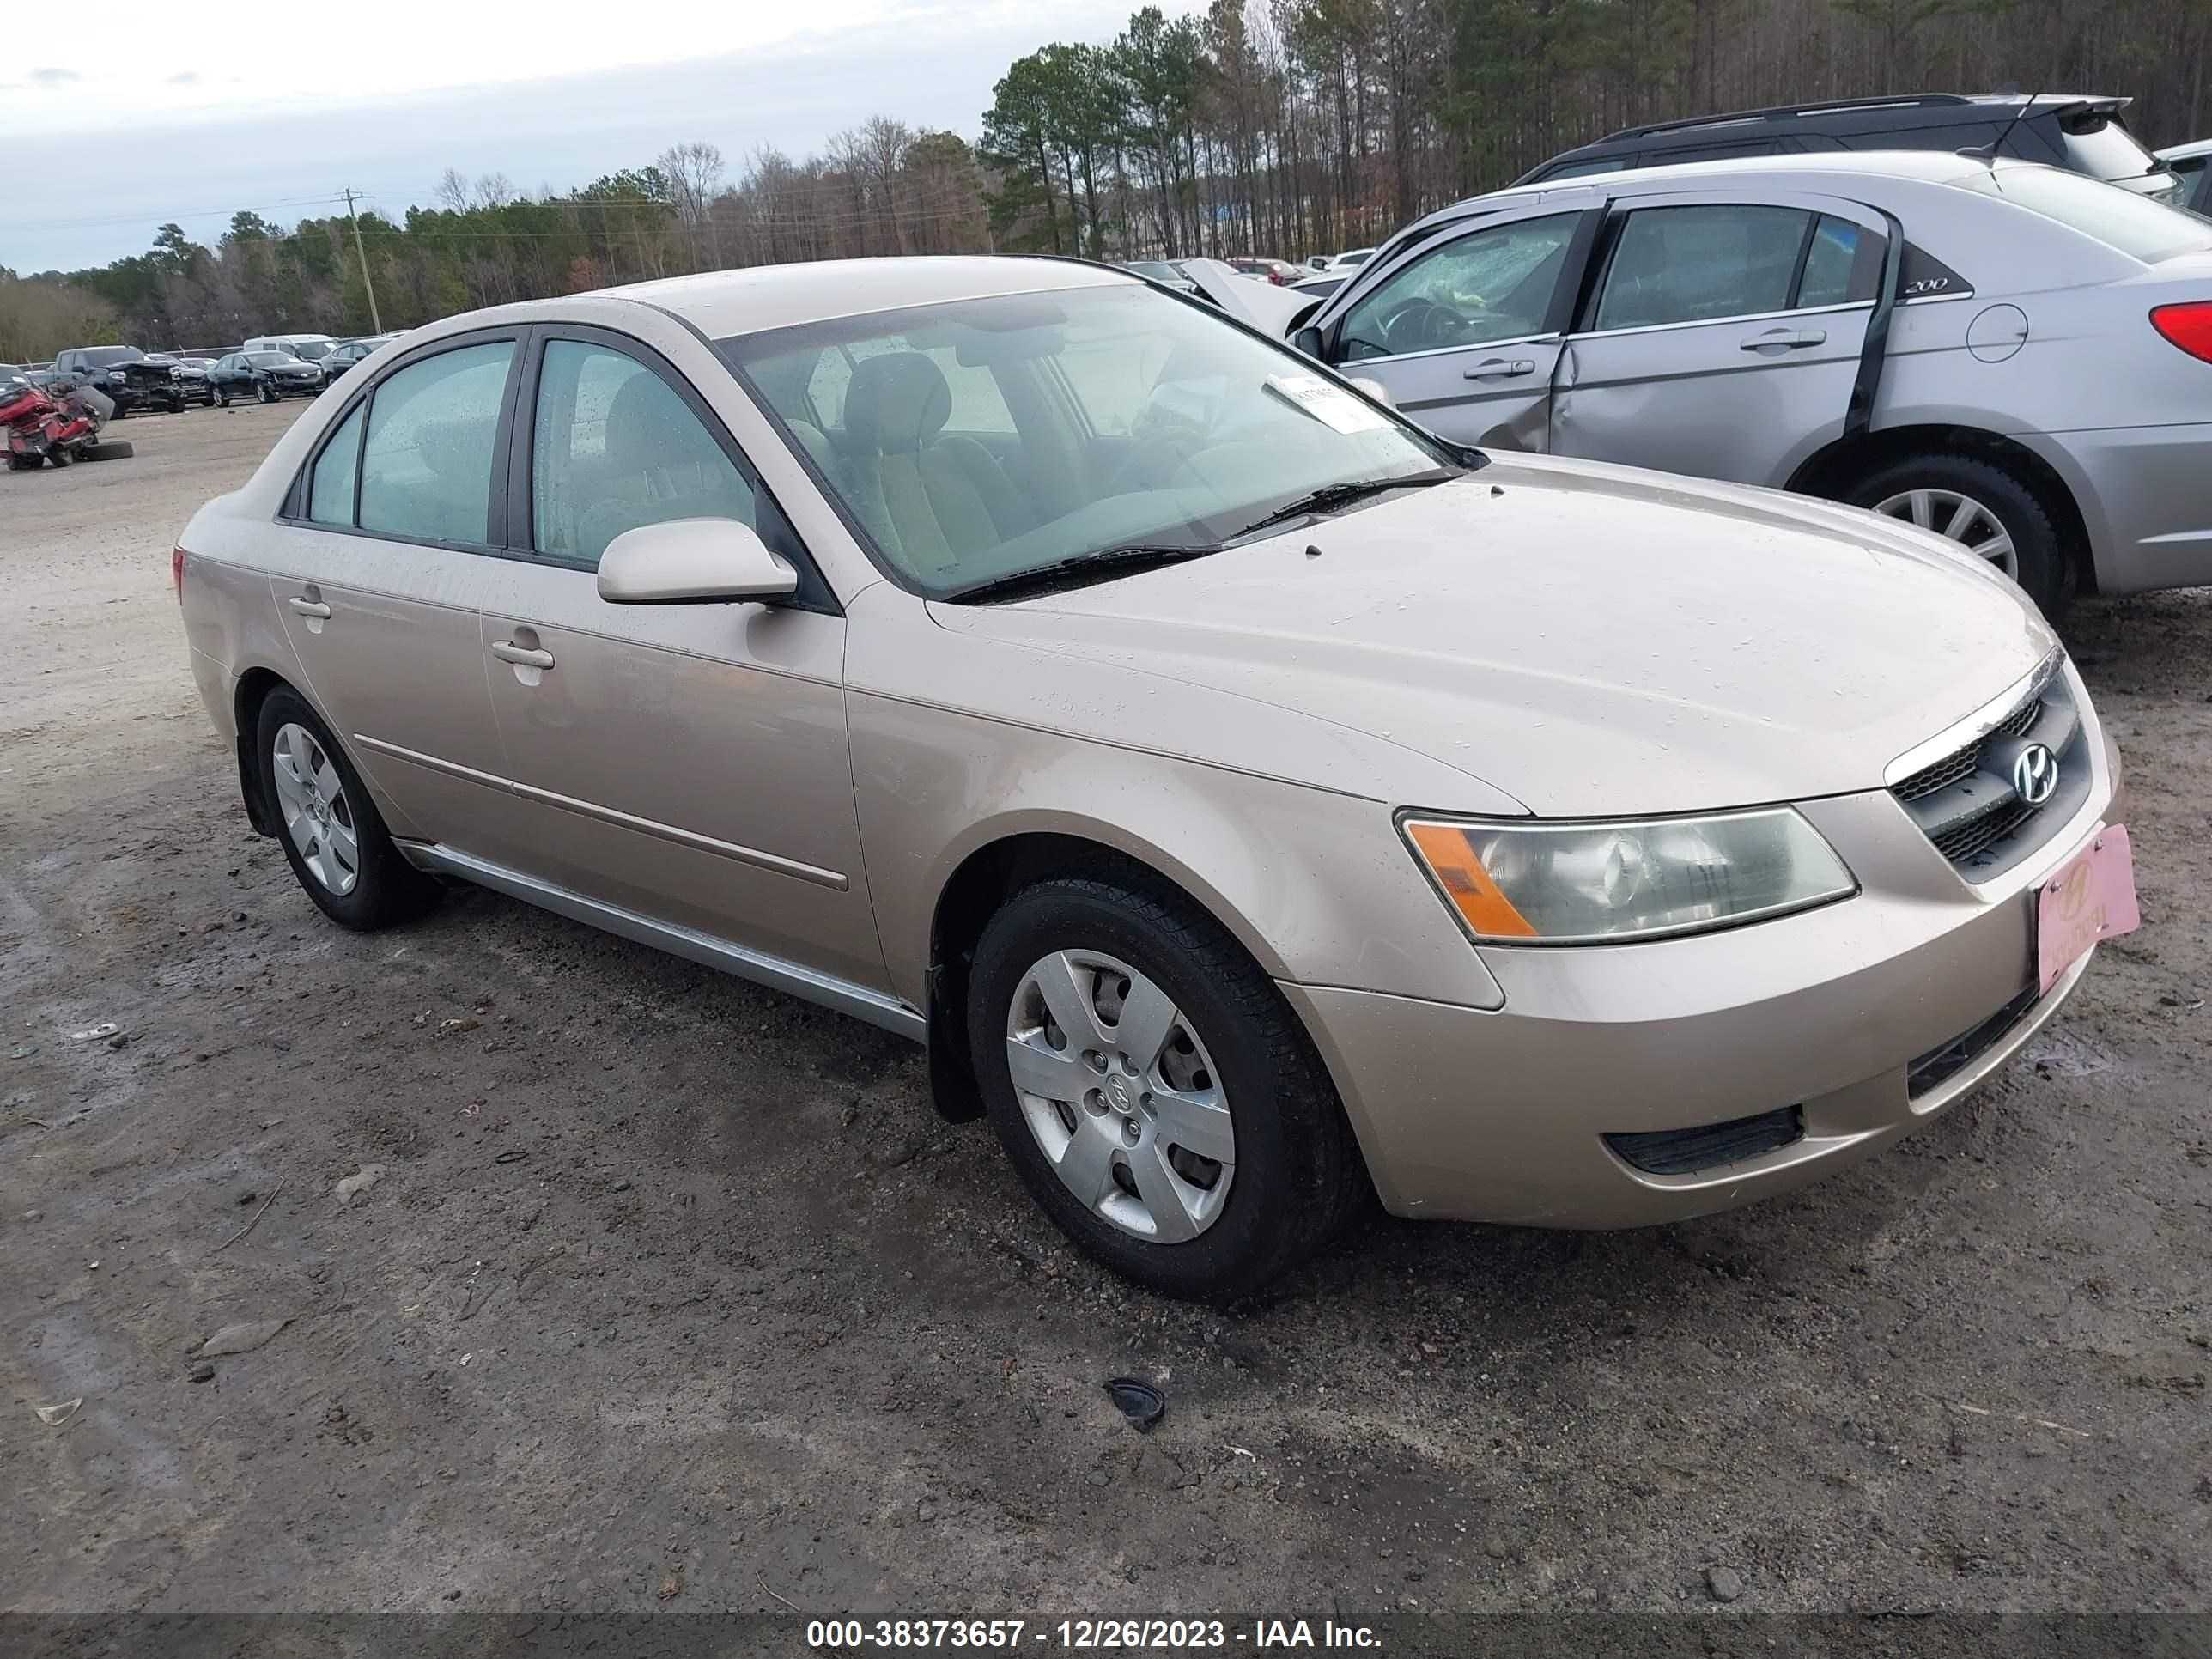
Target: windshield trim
(760,340)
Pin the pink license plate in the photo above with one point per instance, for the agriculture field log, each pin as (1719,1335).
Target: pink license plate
(2091,898)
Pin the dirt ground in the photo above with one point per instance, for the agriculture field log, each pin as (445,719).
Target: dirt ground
(674,1294)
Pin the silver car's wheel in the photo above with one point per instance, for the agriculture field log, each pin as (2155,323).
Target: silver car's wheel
(317,816)
(1124,1100)
(1960,518)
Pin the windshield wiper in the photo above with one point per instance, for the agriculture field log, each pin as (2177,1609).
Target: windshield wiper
(1085,566)
(1330,497)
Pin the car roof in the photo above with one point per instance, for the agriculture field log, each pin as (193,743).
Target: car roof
(2186,152)
(720,303)
(1916,109)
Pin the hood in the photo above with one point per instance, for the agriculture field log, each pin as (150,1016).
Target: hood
(1253,300)
(1588,640)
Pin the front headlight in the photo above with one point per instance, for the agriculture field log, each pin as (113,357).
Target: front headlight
(1590,884)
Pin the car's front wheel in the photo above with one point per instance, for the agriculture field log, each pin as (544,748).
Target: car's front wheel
(333,836)
(1986,509)
(1157,1094)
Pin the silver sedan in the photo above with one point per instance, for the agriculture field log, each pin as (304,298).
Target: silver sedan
(2017,357)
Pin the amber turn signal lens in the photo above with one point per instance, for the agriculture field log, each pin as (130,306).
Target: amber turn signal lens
(1451,857)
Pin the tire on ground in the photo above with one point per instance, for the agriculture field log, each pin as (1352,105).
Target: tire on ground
(1298,1173)
(2047,573)
(389,888)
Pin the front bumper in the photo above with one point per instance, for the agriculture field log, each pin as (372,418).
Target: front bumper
(1504,1115)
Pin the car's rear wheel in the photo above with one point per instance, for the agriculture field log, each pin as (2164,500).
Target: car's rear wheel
(1157,1096)
(333,837)
(1983,507)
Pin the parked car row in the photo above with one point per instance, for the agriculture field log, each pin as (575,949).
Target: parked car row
(266,368)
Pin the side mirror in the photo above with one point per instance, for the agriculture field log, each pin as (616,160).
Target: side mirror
(692,562)
(1374,389)
(1308,340)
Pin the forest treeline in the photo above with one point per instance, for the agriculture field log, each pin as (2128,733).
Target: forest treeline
(1283,127)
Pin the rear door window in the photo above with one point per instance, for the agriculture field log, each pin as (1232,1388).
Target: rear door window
(1701,264)
(433,428)
(1843,264)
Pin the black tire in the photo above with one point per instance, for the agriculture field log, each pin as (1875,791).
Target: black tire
(387,889)
(1298,1173)
(267,393)
(120,411)
(222,400)
(58,456)
(2047,575)
(108,449)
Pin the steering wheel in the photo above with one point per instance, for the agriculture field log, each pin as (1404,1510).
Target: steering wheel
(1419,324)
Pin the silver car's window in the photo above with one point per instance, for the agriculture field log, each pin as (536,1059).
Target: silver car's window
(2136,225)
(1701,263)
(1130,417)
(426,468)
(1843,264)
(1493,284)
(613,447)
(330,494)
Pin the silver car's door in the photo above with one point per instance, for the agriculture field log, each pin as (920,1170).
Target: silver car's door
(1464,332)
(687,763)
(1722,336)
(395,525)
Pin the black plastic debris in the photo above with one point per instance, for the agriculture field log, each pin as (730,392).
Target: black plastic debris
(1140,1402)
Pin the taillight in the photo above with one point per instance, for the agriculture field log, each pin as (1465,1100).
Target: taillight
(2189,326)
(176,573)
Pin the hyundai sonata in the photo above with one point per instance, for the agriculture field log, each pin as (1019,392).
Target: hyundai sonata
(1256,804)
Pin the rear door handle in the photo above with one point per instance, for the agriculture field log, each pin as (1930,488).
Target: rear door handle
(521,655)
(1500,368)
(1786,339)
(308,607)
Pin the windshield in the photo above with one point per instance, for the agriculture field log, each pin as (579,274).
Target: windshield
(269,359)
(108,357)
(2136,225)
(311,349)
(988,438)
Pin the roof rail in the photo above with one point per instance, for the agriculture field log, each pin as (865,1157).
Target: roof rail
(1786,112)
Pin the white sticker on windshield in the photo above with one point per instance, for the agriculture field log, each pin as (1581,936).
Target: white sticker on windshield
(1332,406)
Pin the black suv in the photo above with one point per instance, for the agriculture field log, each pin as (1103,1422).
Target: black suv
(2084,135)
(126,375)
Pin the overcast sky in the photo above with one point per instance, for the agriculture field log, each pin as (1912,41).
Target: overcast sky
(130,114)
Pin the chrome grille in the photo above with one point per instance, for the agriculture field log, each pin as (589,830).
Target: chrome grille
(1961,764)
(1965,802)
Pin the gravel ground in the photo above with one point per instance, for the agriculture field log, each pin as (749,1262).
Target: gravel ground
(671,1293)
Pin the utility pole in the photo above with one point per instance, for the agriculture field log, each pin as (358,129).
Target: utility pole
(376,322)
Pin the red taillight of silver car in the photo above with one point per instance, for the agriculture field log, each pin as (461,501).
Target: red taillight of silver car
(2188,325)
(176,573)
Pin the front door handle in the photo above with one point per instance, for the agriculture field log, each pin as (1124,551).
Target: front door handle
(521,656)
(1785,339)
(1500,367)
(308,607)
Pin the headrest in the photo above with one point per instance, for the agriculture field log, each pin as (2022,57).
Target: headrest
(646,426)
(898,401)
